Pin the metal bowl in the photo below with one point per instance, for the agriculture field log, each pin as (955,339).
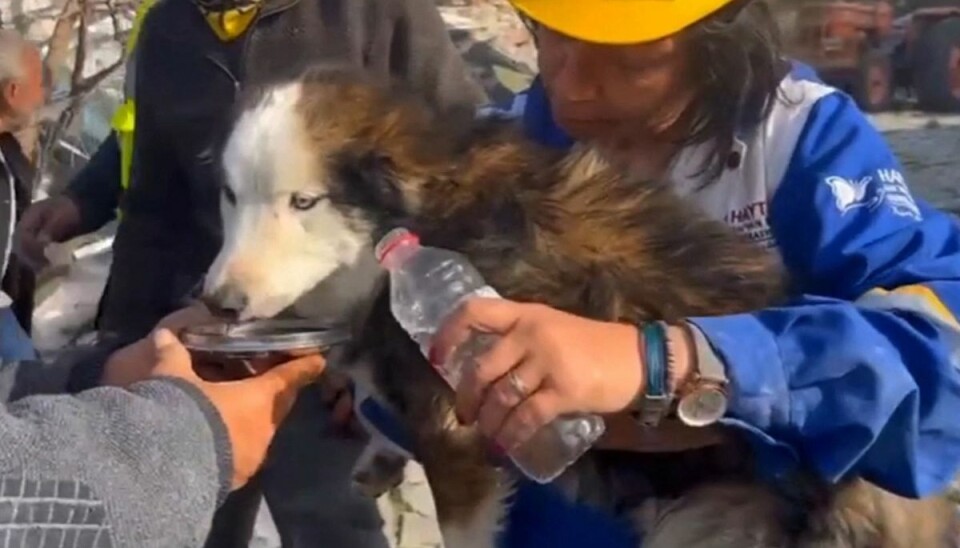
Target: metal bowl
(254,346)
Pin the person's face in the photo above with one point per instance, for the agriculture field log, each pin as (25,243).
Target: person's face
(613,95)
(22,97)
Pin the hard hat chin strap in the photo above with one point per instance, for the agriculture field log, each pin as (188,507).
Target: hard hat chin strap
(229,19)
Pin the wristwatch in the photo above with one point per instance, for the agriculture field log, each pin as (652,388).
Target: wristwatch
(703,400)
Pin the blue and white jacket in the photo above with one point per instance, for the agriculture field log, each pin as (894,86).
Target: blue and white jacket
(859,374)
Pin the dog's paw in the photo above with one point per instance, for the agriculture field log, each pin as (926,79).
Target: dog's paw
(368,486)
(377,471)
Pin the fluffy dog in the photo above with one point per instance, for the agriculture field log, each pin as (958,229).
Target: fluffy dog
(318,169)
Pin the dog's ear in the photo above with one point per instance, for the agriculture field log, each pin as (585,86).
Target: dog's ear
(368,181)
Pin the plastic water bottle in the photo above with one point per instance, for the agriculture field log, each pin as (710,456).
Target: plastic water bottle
(426,285)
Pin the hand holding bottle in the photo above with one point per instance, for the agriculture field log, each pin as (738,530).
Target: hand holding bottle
(426,286)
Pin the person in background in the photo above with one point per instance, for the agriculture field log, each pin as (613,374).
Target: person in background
(91,198)
(858,374)
(21,95)
(194,58)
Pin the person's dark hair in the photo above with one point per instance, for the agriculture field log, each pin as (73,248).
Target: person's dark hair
(736,53)
(736,57)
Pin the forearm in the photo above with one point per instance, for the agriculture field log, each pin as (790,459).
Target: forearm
(96,188)
(145,467)
(851,391)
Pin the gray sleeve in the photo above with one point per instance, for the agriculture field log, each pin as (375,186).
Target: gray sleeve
(142,467)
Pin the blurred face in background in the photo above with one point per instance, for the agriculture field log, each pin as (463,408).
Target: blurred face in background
(23,96)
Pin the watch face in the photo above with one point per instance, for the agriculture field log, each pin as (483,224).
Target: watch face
(703,407)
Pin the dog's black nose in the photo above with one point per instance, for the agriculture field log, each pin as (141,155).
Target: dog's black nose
(224,303)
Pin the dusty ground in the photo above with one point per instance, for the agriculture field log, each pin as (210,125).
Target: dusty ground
(498,48)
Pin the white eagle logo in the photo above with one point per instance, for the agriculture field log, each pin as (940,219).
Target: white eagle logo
(850,194)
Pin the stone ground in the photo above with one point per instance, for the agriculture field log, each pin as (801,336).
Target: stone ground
(929,148)
(501,55)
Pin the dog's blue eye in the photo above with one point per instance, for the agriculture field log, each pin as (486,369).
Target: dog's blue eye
(303,202)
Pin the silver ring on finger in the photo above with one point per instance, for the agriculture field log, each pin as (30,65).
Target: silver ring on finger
(517,384)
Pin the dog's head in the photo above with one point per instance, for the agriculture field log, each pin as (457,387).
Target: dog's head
(310,183)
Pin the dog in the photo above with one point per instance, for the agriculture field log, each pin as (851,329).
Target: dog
(316,170)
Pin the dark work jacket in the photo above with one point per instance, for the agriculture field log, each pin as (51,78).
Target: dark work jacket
(186,86)
(18,279)
(96,188)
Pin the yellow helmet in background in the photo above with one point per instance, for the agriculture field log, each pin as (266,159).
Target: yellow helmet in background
(618,21)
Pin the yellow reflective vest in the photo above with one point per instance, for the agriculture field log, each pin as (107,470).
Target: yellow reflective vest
(124,119)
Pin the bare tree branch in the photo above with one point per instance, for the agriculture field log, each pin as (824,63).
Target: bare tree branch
(88,84)
(79,85)
(62,37)
(80,60)
(113,12)
(75,20)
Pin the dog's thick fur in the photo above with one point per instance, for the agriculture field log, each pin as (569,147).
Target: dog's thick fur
(317,170)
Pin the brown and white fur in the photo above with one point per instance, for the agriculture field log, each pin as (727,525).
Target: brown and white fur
(318,169)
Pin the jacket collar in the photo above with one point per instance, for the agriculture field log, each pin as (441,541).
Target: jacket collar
(8,215)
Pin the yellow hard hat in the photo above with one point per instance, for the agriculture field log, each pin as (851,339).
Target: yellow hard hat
(618,21)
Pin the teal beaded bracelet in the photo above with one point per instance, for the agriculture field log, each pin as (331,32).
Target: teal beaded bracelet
(656,399)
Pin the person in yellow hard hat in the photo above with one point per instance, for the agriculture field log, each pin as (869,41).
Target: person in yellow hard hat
(857,375)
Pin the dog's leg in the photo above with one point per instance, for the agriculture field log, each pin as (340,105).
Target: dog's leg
(381,465)
(378,469)
(480,528)
(470,494)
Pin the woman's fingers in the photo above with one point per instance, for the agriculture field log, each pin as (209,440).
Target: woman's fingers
(487,367)
(526,419)
(508,392)
(477,314)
